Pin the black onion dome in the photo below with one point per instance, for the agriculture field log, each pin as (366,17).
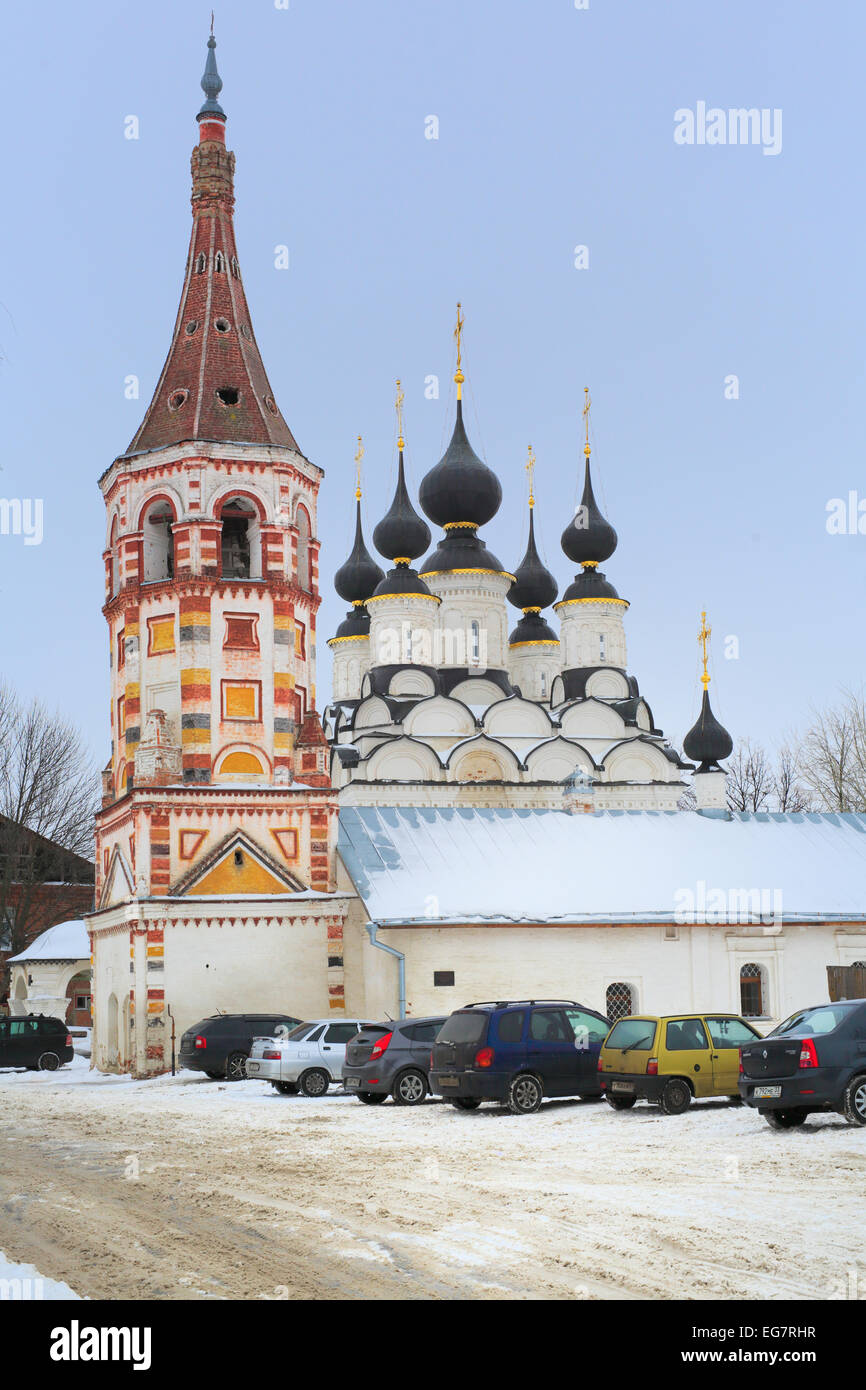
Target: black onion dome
(401,534)
(400,580)
(461,550)
(534,586)
(532,628)
(460,487)
(358,577)
(589,584)
(707,742)
(588,538)
(355,624)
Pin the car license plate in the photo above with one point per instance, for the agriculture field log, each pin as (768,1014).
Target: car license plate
(352,1083)
(767,1092)
(252,1066)
(449,1081)
(622,1086)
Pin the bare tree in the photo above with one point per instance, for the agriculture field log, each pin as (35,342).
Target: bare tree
(789,793)
(750,783)
(48,798)
(832,755)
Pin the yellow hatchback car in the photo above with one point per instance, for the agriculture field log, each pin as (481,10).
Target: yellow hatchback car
(674,1060)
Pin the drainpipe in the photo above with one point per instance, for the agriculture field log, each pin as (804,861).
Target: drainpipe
(372,928)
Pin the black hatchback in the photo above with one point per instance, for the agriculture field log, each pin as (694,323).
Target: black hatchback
(391,1059)
(815,1060)
(220,1045)
(518,1052)
(35,1041)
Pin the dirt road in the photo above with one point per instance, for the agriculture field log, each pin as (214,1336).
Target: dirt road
(193,1189)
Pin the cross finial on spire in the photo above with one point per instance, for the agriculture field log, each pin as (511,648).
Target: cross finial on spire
(586,406)
(211,23)
(458,334)
(703,638)
(530,468)
(211,82)
(398,406)
(359,454)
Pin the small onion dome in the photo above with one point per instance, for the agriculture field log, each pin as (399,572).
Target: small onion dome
(460,488)
(358,577)
(355,624)
(591,583)
(532,628)
(707,742)
(400,580)
(401,534)
(588,538)
(461,550)
(534,586)
(211,84)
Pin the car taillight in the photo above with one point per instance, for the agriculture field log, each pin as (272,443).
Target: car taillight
(808,1055)
(741,1063)
(272,1055)
(600,1066)
(380,1046)
(200,1041)
(68,1039)
(652,1066)
(484,1058)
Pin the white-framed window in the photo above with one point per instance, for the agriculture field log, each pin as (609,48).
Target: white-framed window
(475,641)
(754,992)
(602,656)
(544,685)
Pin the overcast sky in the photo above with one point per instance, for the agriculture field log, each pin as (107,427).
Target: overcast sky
(556,130)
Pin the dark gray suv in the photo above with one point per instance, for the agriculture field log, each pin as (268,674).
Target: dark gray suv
(391,1059)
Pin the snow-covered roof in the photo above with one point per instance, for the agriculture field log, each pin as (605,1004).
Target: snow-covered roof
(414,864)
(66,941)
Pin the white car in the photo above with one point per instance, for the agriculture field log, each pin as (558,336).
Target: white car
(307,1060)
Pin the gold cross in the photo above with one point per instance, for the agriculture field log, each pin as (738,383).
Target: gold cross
(358,456)
(587,404)
(458,334)
(399,408)
(703,638)
(530,468)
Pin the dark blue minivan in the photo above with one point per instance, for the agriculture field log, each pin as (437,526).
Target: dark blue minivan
(517,1052)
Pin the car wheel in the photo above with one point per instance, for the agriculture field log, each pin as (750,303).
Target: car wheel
(236,1067)
(621,1102)
(675,1097)
(372,1097)
(784,1119)
(854,1102)
(410,1088)
(49,1061)
(465,1103)
(314,1083)
(524,1095)
(286,1088)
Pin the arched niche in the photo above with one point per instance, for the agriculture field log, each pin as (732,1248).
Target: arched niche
(477,691)
(607,684)
(516,717)
(439,715)
(410,683)
(592,718)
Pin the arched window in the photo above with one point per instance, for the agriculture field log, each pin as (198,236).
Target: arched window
(236,270)
(200,263)
(303,523)
(475,642)
(241,540)
(158,543)
(619,1001)
(752,990)
(544,685)
(601,647)
(219,264)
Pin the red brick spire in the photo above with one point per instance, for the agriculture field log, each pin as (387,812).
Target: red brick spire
(213,385)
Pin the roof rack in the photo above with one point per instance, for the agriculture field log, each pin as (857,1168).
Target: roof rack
(506,1003)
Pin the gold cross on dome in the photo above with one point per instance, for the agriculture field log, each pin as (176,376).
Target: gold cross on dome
(398,405)
(458,334)
(530,468)
(358,456)
(586,406)
(703,638)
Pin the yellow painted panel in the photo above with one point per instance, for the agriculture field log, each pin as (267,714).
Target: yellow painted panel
(161,635)
(241,702)
(242,762)
(247,877)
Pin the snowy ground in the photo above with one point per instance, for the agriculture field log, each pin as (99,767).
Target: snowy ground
(26,1283)
(190,1188)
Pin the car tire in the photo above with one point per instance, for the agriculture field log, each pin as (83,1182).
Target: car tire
(410,1088)
(854,1101)
(465,1103)
(372,1097)
(286,1088)
(236,1067)
(524,1094)
(676,1096)
(784,1119)
(621,1102)
(49,1061)
(314,1083)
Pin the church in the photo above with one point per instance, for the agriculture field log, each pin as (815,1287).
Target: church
(477,813)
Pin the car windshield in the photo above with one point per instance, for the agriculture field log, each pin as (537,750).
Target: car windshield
(632,1033)
(463,1027)
(815,1021)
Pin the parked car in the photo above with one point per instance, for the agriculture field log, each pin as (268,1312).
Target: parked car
(391,1059)
(308,1060)
(220,1045)
(518,1052)
(815,1060)
(35,1041)
(673,1060)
